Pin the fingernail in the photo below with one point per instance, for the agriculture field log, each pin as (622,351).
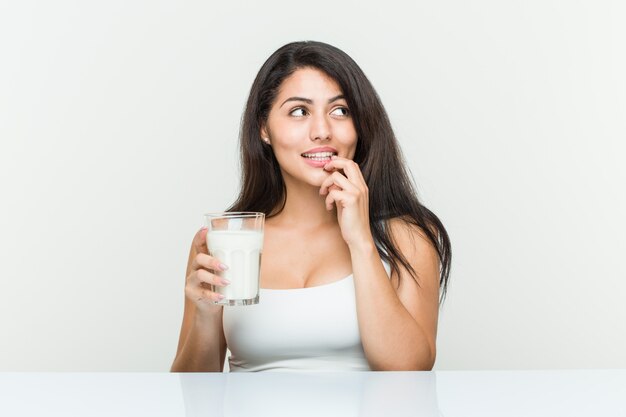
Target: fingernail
(223,267)
(220,297)
(225,281)
(203,228)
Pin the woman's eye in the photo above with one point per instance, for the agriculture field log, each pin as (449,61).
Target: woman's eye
(340,111)
(298,112)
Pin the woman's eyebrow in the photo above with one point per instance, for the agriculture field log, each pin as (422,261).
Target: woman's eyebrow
(306,100)
(309,101)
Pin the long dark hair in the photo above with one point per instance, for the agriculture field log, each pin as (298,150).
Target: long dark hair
(391,191)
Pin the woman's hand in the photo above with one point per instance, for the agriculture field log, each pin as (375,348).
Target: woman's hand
(346,188)
(201,274)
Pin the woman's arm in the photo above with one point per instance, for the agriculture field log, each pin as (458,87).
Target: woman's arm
(201,345)
(398,326)
(199,350)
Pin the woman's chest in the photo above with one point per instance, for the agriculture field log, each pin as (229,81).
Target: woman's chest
(292,260)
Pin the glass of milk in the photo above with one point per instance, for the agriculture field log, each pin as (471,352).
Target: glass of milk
(236,240)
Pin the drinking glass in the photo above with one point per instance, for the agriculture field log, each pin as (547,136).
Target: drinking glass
(236,240)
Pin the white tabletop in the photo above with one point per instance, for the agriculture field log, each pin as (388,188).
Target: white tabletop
(394,394)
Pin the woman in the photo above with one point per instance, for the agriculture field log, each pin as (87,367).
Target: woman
(353,264)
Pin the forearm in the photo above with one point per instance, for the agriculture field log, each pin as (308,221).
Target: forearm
(202,349)
(392,339)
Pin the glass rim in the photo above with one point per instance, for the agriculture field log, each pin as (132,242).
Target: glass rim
(228,214)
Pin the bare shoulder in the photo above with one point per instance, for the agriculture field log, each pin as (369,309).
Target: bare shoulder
(413,241)
(420,297)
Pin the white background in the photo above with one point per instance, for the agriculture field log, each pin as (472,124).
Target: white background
(118,129)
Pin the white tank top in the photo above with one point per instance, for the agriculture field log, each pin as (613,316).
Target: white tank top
(306,329)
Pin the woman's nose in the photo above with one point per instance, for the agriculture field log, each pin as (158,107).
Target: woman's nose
(320,127)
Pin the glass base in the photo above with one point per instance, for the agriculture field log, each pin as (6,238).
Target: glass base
(244,302)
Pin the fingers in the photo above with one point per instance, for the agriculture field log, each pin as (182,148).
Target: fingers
(203,260)
(352,179)
(205,269)
(344,190)
(342,199)
(350,168)
(204,278)
(201,294)
(202,275)
(336,180)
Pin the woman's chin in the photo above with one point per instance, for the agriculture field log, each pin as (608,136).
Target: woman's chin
(312,178)
(319,179)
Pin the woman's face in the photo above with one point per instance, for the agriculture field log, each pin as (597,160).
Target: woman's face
(309,121)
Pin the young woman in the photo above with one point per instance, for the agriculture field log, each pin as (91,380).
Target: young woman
(353,265)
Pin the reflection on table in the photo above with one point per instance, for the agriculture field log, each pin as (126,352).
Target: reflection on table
(344,394)
(570,393)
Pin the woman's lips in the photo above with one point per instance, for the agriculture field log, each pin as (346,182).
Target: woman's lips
(318,159)
(316,163)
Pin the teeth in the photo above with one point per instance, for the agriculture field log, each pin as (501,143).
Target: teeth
(318,156)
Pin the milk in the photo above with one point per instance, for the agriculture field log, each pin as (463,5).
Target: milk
(240,250)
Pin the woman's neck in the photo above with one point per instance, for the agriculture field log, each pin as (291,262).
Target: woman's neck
(305,206)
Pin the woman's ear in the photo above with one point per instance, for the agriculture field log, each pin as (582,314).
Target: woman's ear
(264,134)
